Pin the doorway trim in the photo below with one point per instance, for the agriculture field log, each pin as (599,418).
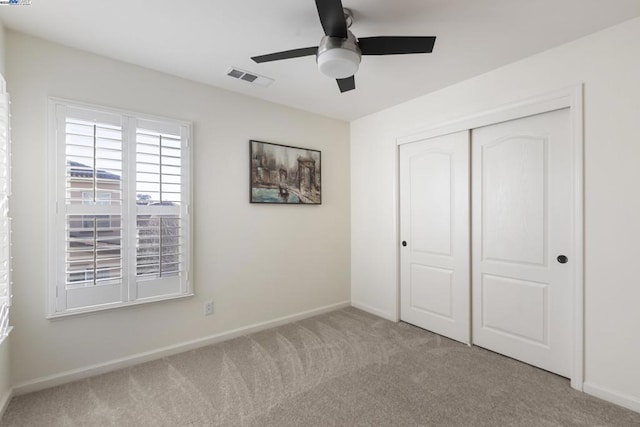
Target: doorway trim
(570,97)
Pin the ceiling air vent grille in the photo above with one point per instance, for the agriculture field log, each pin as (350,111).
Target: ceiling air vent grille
(250,77)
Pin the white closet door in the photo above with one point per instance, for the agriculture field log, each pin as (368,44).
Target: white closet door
(434,206)
(522,224)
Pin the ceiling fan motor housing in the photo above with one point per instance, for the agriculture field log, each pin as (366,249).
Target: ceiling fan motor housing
(338,58)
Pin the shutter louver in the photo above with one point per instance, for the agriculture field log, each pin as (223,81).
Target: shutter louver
(5,221)
(159,222)
(94,163)
(158,246)
(158,168)
(94,250)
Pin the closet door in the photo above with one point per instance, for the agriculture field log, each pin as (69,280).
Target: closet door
(522,222)
(434,218)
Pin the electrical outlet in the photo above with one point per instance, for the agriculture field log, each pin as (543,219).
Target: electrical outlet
(208,308)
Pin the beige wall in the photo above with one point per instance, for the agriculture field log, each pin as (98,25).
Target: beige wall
(608,63)
(257,262)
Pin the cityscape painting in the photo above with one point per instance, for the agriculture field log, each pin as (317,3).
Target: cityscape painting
(284,174)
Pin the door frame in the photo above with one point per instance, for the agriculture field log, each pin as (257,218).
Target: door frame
(570,97)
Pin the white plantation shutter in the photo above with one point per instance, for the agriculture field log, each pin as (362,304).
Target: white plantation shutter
(5,221)
(120,234)
(91,209)
(160,208)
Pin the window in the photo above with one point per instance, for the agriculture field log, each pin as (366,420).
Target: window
(120,228)
(5,221)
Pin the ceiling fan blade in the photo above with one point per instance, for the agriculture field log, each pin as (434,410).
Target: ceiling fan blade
(332,18)
(395,45)
(346,84)
(287,54)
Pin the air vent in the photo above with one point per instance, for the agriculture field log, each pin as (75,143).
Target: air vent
(247,76)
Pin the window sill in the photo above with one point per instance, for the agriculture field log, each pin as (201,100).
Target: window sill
(112,307)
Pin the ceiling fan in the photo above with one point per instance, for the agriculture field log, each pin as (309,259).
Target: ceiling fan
(339,52)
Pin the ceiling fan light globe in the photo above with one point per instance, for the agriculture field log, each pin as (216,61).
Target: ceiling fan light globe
(338,63)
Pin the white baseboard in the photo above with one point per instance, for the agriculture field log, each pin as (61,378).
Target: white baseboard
(605,393)
(125,362)
(4,403)
(374,311)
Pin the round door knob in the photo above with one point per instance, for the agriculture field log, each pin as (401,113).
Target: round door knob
(562,259)
(404,243)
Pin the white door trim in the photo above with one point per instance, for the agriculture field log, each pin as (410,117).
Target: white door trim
(570,97)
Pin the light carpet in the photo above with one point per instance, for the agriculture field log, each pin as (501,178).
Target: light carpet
(344,368)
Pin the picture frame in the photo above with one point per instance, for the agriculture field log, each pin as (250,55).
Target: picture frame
(283,174)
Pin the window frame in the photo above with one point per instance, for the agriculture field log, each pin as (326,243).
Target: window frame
(130,289)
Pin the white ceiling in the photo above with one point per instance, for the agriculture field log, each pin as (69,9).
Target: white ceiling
(200,39)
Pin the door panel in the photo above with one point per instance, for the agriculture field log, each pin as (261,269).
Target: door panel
(521,221)
(435,298)
(431,178)
(434,204)
(516,308)
(514,197)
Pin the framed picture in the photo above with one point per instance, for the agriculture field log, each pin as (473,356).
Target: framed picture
(283,174)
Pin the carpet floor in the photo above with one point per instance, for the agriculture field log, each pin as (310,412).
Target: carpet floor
(344,368)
